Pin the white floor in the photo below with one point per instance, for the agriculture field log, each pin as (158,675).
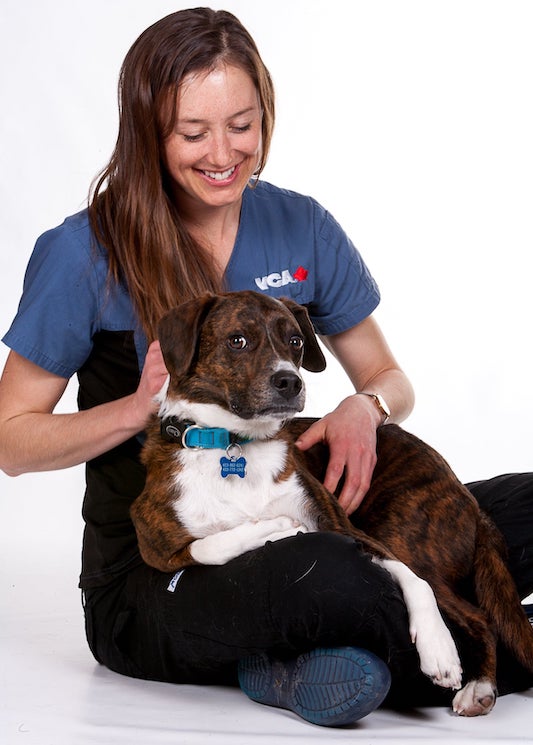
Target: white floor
(53,693)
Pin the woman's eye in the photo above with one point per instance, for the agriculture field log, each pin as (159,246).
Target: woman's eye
(237,342)
(296,342)
(240,130)
(199,136)
(193,138)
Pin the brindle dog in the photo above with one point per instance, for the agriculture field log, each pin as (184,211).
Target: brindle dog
(233,364)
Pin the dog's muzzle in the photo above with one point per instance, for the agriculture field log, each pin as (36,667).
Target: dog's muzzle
(288,384)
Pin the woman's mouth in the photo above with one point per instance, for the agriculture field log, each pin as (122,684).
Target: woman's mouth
(220,175)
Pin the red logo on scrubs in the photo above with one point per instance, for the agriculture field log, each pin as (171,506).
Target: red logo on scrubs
(281,279)
(300,275)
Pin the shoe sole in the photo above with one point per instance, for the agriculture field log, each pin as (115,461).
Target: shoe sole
(328,687)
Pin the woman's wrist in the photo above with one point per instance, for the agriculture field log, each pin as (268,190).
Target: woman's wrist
(380,406)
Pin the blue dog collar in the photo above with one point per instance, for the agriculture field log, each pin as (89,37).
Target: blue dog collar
(190,435)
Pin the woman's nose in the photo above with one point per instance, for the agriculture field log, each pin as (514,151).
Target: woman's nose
(220,151)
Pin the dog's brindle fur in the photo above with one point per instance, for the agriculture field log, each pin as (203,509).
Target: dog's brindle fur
(416,513)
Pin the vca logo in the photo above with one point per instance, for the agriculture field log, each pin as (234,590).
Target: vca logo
(280,279)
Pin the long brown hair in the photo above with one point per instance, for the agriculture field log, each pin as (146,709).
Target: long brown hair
(131,211)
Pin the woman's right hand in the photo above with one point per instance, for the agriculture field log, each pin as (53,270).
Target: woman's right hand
(33,438)
(153,377)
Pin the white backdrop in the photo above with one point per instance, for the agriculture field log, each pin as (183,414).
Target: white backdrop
(410,120)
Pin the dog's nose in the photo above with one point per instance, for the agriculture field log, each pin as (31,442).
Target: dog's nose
(287,383)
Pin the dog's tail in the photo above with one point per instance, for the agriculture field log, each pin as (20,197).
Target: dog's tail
(497,595)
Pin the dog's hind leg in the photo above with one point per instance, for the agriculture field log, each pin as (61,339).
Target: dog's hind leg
(439,659)
(477,697)
(479,694)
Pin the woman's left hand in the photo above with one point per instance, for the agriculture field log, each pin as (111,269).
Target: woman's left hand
(350,430)
(350,433)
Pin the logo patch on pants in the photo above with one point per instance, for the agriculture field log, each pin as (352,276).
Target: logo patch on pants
(174,581)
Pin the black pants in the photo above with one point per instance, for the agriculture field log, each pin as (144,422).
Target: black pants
(289,596)
(508,499)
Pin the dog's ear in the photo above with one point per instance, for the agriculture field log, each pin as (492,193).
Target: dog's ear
(179,331)
(313,360)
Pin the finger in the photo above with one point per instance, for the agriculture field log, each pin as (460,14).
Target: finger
(357,485)
(154,348)
(350,500)
(315,434)
(334,472)
(155,357)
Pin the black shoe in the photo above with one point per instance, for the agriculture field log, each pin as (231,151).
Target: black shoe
(330,687)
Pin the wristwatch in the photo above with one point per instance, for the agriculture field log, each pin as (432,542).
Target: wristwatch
(381,404)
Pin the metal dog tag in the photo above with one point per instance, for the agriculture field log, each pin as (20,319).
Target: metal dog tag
(233,465)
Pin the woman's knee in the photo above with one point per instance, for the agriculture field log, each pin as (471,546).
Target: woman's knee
(324,586)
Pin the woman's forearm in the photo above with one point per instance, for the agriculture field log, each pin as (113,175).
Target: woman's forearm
(33,438)
(369,363)
(45,442)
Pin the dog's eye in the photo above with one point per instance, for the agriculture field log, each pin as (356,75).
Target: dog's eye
(237,341)
(296,342)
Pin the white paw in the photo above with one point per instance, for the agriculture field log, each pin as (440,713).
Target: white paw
(278,524)
(286,533)
(282,527)
(218,548)
(439,659)
(477,697)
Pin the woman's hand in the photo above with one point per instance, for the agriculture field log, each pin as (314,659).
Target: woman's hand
(350,430)
(33,438)
(153,377)
(350,433)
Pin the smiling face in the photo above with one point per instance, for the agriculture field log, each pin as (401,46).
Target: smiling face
(216,143)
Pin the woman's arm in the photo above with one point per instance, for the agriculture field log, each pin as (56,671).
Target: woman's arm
(350,430)
(33,438)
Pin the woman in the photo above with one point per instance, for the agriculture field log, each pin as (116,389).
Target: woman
(180,210)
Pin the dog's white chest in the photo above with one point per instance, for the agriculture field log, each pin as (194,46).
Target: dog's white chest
(207,502)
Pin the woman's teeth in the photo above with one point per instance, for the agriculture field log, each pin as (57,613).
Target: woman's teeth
(219,175)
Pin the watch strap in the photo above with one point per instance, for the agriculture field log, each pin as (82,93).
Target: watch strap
(380,404)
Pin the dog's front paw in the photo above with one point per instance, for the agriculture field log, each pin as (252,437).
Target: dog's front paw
(218,548)
(283,527)
(476,698)
(439,659)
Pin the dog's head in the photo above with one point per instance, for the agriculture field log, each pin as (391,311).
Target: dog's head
(234,359)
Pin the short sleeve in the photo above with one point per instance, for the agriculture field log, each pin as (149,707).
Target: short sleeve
(345,293)
(289,245)
(59,307)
